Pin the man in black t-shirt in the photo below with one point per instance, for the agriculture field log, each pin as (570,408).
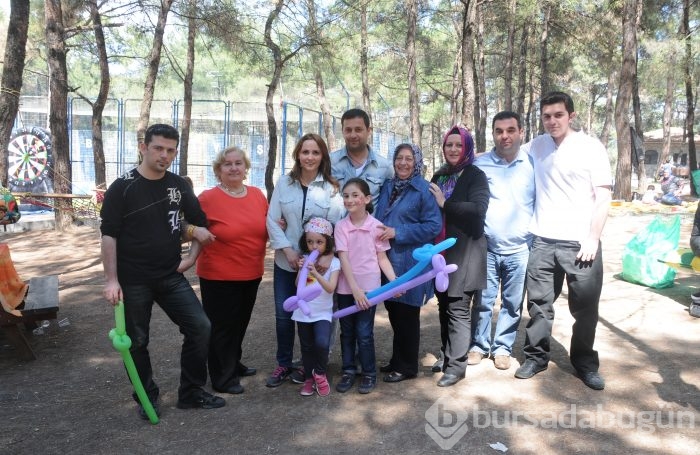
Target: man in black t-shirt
(141,232)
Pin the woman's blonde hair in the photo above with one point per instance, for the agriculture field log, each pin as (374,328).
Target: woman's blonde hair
(221,157)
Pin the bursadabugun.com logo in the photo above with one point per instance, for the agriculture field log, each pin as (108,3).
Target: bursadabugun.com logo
(448,422)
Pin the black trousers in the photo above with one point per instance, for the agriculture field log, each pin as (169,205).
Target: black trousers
(405,322)
(550,262)
(695,244)
(177,299)
(228,304)
(455,330)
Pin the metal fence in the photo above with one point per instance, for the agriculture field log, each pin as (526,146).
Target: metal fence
(215,124)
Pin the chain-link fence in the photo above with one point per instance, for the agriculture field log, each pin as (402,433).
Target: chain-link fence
(215,124)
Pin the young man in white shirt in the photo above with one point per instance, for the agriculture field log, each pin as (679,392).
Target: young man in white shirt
(573,185)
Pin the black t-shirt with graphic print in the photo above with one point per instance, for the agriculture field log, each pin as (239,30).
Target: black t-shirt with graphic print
(144,216)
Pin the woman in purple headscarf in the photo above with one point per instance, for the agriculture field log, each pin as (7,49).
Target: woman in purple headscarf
(411,218)
(462,192)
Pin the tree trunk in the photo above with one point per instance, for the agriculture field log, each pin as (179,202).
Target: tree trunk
(99,104)
(591,107)
(480,83)
(189,74)
(605,131)
(270,97)
(366,103)
(435,138)
(456,88)
(413,105)
(531,118)
(668,113)
(153,65)
(508,67)
(625,90)
(325,107)
(690,102)
(468,94)
(58,113)
(544,55)
(313,34)
(522,73)
(12,70)
(638,142)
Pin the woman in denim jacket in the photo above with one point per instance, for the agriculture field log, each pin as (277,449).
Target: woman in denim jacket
(411,218)
(307,191)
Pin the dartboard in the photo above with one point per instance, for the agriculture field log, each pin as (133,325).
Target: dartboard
(29,157)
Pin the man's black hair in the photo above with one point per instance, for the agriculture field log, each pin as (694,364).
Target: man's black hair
(558,97)
(355,113)
(161,129)
(504,115)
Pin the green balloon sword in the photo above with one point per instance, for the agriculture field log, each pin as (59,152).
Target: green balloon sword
(122,343)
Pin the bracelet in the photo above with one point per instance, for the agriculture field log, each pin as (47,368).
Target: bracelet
(190,230)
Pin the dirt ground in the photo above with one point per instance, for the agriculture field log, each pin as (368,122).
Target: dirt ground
(76,397)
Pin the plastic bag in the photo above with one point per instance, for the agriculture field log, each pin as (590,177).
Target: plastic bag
(640,259)
(695,177)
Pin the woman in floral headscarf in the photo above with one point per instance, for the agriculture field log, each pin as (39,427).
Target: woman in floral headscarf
(411,218)
(462,192)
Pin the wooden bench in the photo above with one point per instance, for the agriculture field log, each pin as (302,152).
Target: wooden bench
(40,303)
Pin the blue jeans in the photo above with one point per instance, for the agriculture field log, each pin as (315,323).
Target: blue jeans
(671,199)
(357,330)
(314,338)
(506,272)
(284,287)
(179,302)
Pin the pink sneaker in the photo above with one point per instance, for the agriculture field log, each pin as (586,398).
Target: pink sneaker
(308,388)
(322,386)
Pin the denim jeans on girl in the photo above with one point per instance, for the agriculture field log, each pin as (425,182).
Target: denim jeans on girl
(314,338)
(357,330)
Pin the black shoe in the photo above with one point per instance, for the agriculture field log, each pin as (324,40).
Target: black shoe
(367,384)
(529,369)
(298,376)
(142,411)
(437,366)
(395,376)
(345,383)
(592,379)
(278,376)
(245,371)
(386,368)
(204,400)
(233,390)
(449,379)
